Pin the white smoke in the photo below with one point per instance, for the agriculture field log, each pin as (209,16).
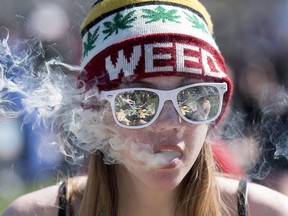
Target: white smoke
(27,89)
(56,100)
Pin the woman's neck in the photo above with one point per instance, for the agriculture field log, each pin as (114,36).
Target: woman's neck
(136,198)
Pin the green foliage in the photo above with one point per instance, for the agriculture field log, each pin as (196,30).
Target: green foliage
(160,14)
(119,22)
(196,22)
(91,39)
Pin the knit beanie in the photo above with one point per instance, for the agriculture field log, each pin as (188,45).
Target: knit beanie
(128,40)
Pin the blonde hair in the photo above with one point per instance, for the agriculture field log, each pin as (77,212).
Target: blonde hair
(200,198)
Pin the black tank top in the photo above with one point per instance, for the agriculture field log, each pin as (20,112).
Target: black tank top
(242,204)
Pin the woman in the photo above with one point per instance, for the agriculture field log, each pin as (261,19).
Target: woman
(162,86)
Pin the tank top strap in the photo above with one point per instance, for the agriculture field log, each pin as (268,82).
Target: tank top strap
(242,196)
(62,200)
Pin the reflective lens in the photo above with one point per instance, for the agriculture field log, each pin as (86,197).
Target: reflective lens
(199,103)
(140,107)
(136,107)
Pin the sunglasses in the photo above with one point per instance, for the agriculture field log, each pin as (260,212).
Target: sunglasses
(139,107)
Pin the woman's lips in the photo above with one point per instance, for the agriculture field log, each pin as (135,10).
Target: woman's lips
(168,156)
(168,159)
(167,148)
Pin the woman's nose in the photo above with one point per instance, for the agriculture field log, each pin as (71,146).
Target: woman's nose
(168,119)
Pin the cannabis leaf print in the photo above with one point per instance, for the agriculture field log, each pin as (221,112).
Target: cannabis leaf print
(91,39)
(160,14)
(196,22)
(119,22)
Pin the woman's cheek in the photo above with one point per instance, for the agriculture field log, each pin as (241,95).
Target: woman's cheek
(196,137)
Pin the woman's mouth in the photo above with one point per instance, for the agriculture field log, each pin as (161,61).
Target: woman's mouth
(168,158)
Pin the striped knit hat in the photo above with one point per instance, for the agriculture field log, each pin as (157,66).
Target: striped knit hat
(128,40)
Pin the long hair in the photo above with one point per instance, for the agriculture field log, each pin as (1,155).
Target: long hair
(198,194)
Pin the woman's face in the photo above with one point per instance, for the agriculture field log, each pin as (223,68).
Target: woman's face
(160,155)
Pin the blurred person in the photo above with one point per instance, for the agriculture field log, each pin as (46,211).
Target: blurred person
(151,158)
(256,77)
(271,168)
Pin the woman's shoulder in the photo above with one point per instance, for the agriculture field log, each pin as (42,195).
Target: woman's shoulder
(261,200)
(42,202)
(47,201)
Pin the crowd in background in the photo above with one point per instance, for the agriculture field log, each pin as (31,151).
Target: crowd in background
(253,37)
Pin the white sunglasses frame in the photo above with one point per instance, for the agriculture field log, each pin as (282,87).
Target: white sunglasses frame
(164,95)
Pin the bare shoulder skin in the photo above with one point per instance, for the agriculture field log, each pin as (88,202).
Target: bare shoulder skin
(43,202)
(261,200)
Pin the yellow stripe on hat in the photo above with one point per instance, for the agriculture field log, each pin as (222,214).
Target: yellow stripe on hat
(106,6)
